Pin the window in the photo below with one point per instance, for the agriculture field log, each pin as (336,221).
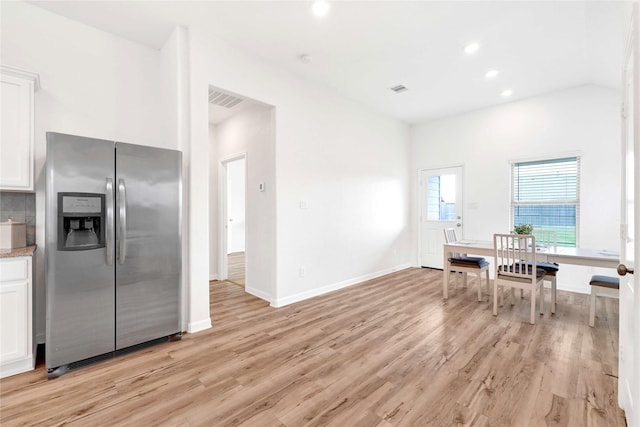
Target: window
(546,194)
(441,194)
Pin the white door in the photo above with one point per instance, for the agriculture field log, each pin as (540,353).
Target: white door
(629,365)
(440,208)
(235,205)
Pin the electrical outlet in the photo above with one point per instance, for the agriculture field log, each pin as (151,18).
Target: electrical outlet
(303,271)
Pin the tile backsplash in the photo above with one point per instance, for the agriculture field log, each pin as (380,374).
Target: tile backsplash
(20,207)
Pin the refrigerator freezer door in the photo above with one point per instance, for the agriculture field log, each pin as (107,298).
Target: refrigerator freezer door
(80,284)
(148,218)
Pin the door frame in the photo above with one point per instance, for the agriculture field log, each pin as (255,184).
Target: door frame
(421,204)
(223,264)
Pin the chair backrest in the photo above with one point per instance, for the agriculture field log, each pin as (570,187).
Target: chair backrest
(546,238)
(450,235)
(515,255)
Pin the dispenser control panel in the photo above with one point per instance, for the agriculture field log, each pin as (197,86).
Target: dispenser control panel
(75,204)
(81,221)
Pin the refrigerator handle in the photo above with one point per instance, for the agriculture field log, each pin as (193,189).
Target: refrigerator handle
(122,229)
(109,212)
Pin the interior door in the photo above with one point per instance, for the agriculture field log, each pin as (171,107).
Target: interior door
(440,208)
(235,205)
(629,368)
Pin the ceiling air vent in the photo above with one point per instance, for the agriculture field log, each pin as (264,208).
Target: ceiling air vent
(223,99)
(399,89)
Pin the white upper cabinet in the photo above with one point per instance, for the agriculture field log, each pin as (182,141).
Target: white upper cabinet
(17,129)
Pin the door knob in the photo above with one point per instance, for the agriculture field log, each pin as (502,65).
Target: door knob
(622,270)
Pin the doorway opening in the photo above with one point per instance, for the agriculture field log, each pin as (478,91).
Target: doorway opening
(242,192)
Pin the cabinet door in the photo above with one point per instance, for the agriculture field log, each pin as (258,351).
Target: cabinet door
(16,135)
(14,300)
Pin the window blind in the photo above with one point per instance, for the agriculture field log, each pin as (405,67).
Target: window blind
(546,194)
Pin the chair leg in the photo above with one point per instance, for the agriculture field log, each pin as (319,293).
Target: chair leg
(533,307)
(541,297)
(488,282)
(479,285)
(495,298)
(592,308)
(455,284)
(553,295)
(464,280)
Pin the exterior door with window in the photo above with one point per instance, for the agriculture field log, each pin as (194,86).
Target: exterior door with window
(629,341)
(440,208)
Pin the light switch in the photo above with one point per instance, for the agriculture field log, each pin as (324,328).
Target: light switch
(261,186)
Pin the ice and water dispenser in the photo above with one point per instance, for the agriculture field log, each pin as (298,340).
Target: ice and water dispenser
(81,221)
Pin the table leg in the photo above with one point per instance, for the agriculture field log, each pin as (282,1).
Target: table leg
(445,275)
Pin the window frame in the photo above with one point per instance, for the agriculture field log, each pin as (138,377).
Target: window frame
(513,164)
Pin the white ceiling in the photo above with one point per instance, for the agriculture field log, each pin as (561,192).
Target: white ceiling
(362,48)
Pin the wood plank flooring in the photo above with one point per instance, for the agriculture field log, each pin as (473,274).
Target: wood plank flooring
(387,352)
(236,269)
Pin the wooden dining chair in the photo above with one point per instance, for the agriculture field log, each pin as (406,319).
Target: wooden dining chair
(548,240)
(515,267)
(462,264)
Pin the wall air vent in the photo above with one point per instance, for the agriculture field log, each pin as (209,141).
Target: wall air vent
(223,99)
(399,89)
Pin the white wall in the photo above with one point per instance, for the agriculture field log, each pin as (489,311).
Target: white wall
(93,84)
(583,120)
(213,205)
(349,165)
(175,89)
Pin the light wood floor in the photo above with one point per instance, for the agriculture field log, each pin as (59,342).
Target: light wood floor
(387,352)
(236,269)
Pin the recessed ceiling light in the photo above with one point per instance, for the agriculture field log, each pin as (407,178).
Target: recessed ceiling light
(471,48)
(492,74)
(320,8)
(506,93)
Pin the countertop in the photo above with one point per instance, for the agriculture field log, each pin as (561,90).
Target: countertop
(12,253)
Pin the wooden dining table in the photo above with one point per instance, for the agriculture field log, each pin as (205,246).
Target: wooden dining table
(561,255)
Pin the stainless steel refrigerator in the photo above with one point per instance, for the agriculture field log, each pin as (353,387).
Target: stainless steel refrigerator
(113,248)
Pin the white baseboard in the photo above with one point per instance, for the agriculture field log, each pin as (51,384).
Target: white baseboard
(17,366)
(260,294)
(198,326)
(281,302)
(213,277)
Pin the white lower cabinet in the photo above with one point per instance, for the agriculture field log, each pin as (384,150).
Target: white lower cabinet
(17,352)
